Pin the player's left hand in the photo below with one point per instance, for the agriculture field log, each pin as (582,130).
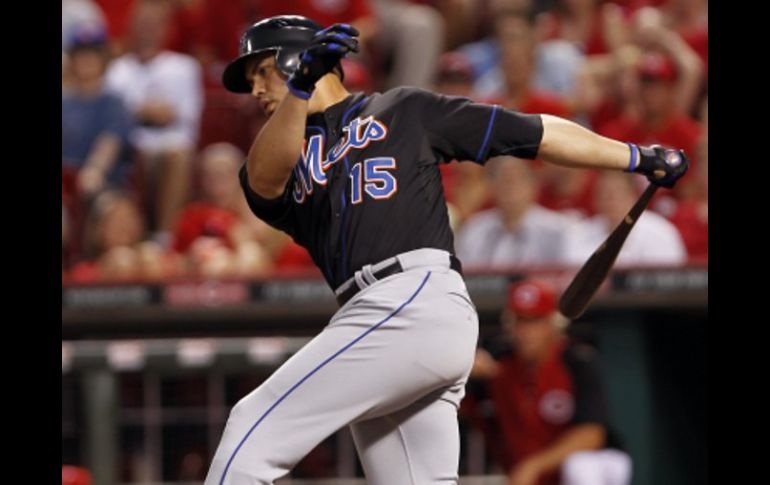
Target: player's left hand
(662,166)
(525,473)
(325,51)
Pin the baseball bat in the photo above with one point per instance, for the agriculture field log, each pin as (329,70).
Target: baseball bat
(578,294)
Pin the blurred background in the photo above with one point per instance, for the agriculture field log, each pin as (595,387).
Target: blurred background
(176,301)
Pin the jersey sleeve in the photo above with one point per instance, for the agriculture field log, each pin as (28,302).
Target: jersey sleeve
(461,129)
(590,394)
(278,212)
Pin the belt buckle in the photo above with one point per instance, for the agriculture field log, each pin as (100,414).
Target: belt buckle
(369,277)
(366,276)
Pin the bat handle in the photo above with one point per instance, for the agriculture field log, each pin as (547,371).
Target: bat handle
(639,206)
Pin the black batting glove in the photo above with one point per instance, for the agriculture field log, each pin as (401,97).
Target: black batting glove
(661,166)
(326,49)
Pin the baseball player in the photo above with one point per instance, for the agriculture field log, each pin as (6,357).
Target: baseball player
(355,180)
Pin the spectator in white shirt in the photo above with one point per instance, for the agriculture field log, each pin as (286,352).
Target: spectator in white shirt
(653,241)
(518,232)
(164,91)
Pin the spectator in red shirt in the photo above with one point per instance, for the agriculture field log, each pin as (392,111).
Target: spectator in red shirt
(652,34)
(549,399)
(215,214)
(690,19)
(610,84)
(211,232)
(659,119)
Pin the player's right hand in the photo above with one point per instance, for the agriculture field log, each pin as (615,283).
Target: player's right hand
(325,51)
(662,166)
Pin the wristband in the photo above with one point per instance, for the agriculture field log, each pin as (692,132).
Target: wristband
(632,164)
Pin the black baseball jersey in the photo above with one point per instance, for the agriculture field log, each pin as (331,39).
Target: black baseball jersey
(367,185)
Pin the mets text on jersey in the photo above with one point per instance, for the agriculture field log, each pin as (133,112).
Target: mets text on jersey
(312,167)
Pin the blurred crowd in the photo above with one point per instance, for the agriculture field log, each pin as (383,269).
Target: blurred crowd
(152,143)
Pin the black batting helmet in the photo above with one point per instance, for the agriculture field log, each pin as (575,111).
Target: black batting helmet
(287,35)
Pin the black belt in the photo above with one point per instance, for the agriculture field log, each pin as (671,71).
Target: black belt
(388,270)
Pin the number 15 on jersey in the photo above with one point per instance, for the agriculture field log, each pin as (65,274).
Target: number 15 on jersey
(372,177)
